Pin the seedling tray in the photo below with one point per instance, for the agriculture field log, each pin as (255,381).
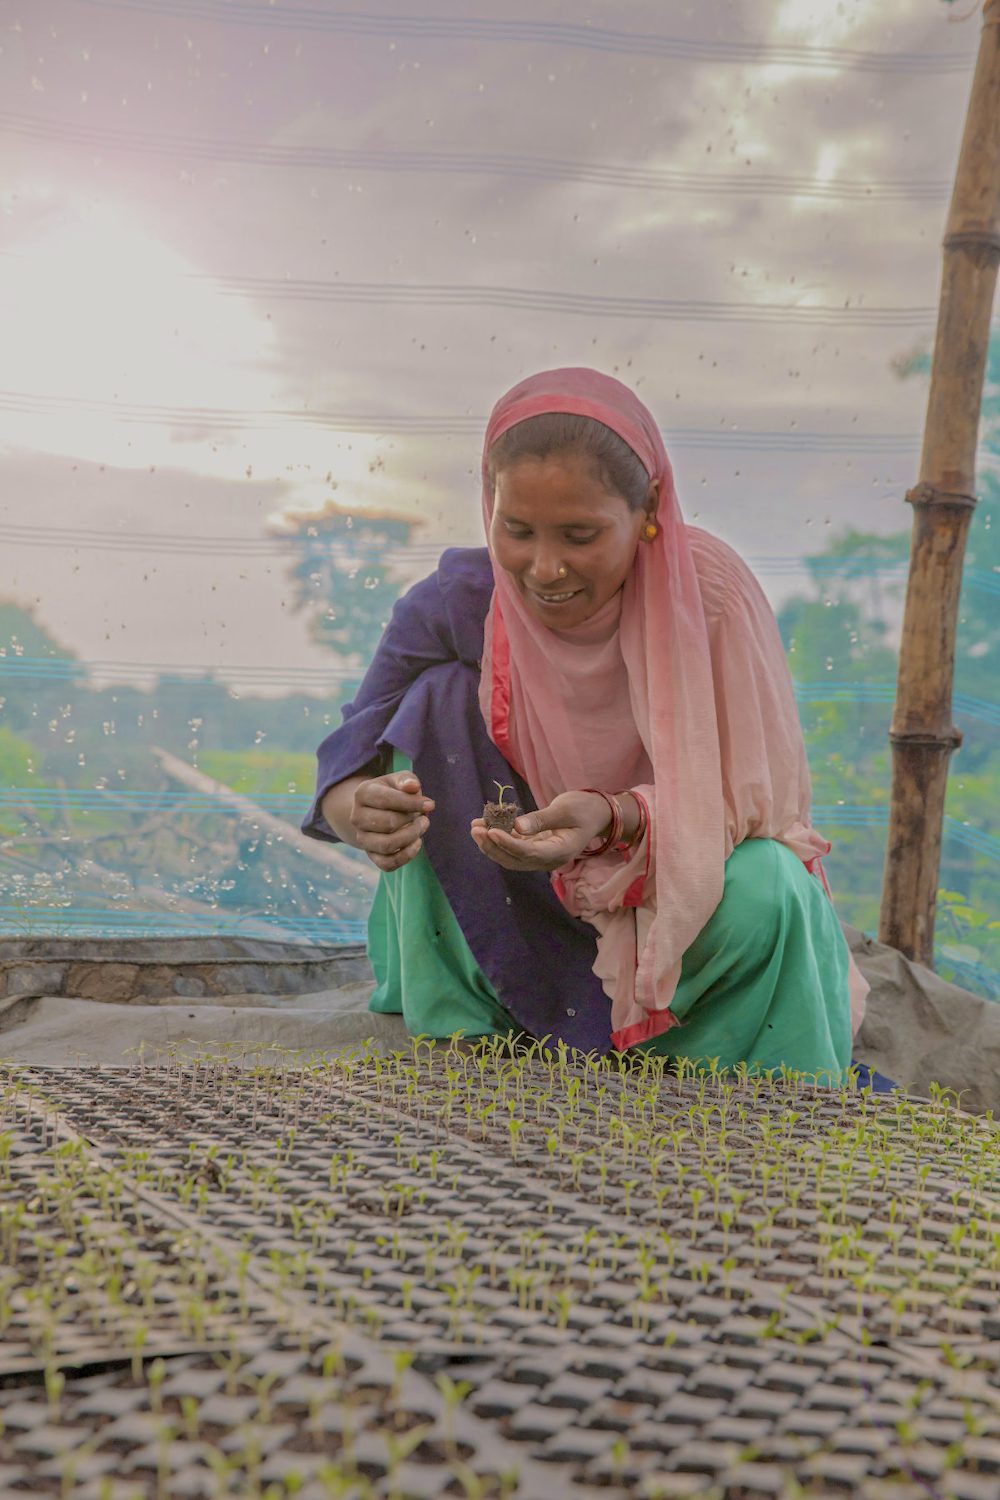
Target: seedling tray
(488,1272)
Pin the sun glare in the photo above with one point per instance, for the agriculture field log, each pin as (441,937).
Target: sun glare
(98,308)
(100,317)
(834,23)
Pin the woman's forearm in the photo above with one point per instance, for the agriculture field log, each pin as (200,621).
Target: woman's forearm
(336,808)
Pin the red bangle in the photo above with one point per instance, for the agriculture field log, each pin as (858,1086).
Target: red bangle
(617,824)
(640,829)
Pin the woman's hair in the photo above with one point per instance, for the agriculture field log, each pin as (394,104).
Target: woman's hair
(563,432)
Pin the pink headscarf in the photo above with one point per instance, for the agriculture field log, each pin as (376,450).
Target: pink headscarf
(687,701)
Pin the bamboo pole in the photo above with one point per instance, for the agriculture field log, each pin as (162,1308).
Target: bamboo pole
(922,734)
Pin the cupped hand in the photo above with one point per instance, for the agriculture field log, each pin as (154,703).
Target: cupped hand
(546,839)
(390,818)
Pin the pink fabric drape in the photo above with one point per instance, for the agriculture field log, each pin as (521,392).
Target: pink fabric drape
(678,687)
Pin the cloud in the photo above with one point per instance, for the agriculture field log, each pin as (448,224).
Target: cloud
(842,23)
(142,247)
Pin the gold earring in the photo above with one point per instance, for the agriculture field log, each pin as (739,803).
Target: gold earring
(650,531)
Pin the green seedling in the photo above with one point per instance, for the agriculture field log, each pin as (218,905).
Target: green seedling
(500,814)
(473,1487)
(55,1385)
(399,1446)
(155,1376)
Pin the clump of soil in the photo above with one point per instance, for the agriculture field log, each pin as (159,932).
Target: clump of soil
(501,815)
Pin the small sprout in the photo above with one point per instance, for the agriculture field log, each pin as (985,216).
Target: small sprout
(156,1375)
(501,814)
(473,1487)
(55,1384)
(401,1362)
(620,1453)
(189,1416)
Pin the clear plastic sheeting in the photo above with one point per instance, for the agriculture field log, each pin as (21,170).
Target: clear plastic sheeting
(264,269)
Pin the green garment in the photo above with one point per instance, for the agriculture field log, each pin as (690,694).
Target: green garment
(433,982)
(765,981)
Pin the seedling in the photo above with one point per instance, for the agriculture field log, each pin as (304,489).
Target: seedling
(347,1149)
(501,814)
(454,1393)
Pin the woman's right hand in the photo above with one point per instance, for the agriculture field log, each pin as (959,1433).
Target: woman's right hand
(389,816)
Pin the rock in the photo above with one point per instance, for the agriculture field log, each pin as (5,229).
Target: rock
(22,979)
(193,967)
(192,986)
(113,982)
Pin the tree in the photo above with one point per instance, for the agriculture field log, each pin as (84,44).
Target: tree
(343,579)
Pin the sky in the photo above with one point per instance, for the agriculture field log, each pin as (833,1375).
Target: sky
(255,257)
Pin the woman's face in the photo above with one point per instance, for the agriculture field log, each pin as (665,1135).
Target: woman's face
(556,512)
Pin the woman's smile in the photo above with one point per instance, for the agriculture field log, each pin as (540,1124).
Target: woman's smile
(551,601)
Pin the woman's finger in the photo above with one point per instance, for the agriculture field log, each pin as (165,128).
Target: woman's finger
(395,861)
(505,863)
(396,839)
(398,792)
(530,847)
(493,851)
(516,854)
(379,820)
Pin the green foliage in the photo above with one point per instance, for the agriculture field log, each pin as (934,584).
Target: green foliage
(348,598)
(845,633)
(21,634)
(18,759)
(114,728)
(967,938)
(258,773)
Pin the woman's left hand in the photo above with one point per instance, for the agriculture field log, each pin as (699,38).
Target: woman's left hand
(548,838)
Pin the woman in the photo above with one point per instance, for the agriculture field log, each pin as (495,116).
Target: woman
(622,672)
